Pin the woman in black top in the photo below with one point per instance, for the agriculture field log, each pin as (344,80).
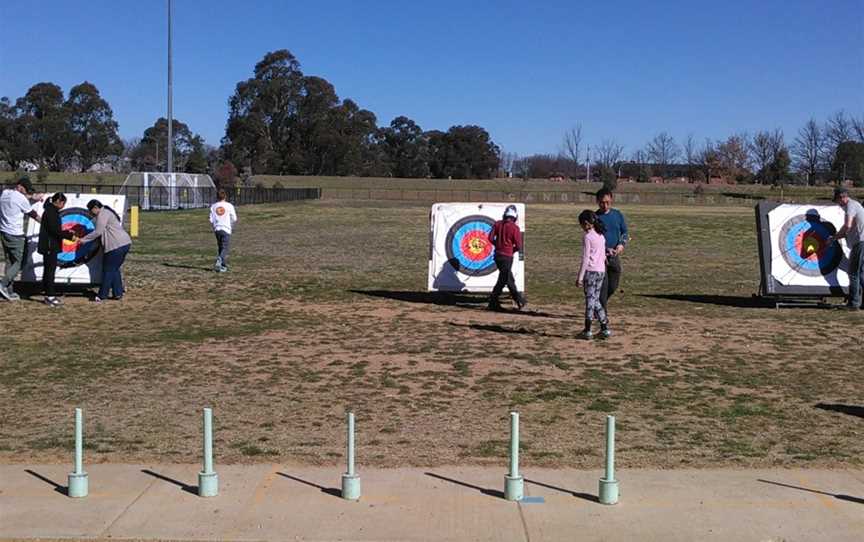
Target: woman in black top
(51,237)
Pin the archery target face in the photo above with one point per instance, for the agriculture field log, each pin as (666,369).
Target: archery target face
(468,244)
(80,221)
(800,252)
(461,258)
(77,263)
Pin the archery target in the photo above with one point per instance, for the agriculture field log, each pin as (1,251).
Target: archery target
(80,221)
(801,254)
(77,263)
(468,244)
(461,258)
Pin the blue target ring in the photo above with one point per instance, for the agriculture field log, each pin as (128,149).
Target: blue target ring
(81,222)
(805,246)
(468,247)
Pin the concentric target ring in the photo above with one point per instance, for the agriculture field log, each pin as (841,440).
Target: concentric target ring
(805,247)
(468,246)
(81,222)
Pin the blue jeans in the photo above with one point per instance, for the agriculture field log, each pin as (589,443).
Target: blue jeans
(112,279)
(856,277)
(223,244)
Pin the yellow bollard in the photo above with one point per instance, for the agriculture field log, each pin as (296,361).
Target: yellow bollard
(133,221)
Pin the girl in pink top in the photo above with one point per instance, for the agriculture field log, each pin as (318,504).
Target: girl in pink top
(592,271)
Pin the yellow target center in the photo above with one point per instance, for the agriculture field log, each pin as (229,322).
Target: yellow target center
(475,246)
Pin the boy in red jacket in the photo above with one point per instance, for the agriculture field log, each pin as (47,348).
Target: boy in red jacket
(507,239)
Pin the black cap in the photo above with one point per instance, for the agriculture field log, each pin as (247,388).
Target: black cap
(840,191)
(25,182)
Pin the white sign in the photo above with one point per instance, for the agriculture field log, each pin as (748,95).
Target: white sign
(461,258)
(77,263)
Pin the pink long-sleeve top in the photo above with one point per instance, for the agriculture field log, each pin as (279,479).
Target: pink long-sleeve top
(593,253)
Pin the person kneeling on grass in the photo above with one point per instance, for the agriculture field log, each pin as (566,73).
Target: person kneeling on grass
(592,272)
(51,236)
(115,243)
(222,218)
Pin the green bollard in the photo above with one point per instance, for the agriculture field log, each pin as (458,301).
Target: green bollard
(608,484)
(514,484)
(78,484)
(208,480)
(350,480)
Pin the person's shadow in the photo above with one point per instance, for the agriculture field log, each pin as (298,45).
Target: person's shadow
(447,278)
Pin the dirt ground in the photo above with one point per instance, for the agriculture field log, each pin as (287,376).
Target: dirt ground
(698,373)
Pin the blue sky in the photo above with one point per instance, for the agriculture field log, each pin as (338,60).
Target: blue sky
(526,72)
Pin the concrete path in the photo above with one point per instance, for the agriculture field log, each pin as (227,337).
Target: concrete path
(274,502)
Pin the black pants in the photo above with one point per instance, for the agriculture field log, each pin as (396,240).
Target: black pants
(505,277)
(611,280)
(49,269)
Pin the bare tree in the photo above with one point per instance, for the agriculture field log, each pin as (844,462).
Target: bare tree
(608,153)
(858,128)
(572,146)
(838,129)
(708,160)
(508,159)
(763,149)
(662,151)
(809,150)
(690,155)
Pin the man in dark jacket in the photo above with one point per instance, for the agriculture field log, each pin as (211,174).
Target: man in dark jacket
(51,235)
(507,239)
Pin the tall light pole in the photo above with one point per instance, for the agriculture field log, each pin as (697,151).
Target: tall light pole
(170,166)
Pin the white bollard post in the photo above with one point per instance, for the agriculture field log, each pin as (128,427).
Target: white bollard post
(208,480)
(78,485)
(350,480)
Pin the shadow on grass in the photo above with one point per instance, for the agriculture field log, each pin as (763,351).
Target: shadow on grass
(847,498)
(328,490)
(184,266)
(490,492)
(742,302)
(585,496)
(451,299)
(185,487)
(63,490)
(495,328)
(851,410)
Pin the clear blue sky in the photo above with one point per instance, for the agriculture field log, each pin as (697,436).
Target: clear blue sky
(524,71)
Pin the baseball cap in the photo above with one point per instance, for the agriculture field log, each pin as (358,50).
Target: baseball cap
(25,182)
(840,191)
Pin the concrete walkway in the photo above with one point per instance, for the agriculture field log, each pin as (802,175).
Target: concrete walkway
(274,502)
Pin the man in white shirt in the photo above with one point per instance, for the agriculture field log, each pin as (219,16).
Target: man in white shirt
(222,218)
(853,231)
(15,204)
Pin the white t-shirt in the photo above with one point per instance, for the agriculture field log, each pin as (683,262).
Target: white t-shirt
(222,216)
(13,206)
(856,232)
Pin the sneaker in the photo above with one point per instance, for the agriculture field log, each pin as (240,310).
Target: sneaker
(14,297)
(217,267)
(521,303)
(96,299)
(585,335)
(52,301)
(223,269)
(6,293)
(605,333)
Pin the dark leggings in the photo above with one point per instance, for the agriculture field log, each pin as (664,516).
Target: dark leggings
(49,271)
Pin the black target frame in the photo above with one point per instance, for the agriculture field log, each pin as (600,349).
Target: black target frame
(771,287)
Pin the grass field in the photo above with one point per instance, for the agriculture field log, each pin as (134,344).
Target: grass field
(325,310)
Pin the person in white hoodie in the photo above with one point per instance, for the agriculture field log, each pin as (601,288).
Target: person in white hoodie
(222,218)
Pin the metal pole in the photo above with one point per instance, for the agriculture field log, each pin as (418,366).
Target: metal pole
(170,166)
(77,482)
(350,444)
(514,484)
(208,480)
(609,485)
(350,480)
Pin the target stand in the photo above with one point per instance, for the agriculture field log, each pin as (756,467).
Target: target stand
(461,258)
(801,265)
(77,263)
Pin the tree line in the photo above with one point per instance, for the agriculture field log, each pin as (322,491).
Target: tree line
(280,122)
(820,152)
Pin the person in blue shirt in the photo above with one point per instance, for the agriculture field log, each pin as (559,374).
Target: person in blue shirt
(616,239)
